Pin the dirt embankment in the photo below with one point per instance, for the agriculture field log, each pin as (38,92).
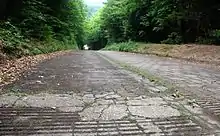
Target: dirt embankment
(209,54)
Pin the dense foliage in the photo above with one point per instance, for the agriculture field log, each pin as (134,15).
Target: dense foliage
(95,34)
(92,9)
(166,21)
(41,26)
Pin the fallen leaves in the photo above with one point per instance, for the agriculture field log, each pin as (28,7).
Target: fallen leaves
(11,70)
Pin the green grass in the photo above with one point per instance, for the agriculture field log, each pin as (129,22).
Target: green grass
(124,46)
(164,50)
(14,44)
(34,47)
(50,46)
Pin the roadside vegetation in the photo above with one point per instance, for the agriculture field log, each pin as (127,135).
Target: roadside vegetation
(123,46)
(30,27)
(154,21)
(192,52)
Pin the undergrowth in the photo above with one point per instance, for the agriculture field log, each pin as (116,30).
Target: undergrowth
(14,44)
(123,46)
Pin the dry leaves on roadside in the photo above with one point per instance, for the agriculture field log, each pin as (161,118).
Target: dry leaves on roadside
(11,70)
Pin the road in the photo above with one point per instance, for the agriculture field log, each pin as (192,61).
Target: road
(90,93)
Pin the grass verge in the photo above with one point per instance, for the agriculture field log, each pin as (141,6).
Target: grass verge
(208,54)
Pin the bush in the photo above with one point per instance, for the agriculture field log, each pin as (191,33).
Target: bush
(202,40)
(173,38)
(40,47)
(15,45)
(215,34)
(124,46)
(43,26)
(13,42)
(113,47)
(212,38)
(127,46)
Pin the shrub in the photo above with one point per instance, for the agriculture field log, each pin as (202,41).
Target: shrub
(202,40)
(13,41)
(212,38)
(123,46)
(113,47)
(127,46)
(215,36)
(173,38)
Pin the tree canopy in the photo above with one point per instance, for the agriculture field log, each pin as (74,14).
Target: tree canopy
(166,21)
(53,25)
(39,26)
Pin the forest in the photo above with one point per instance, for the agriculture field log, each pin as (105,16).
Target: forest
(155,21)
(29,27)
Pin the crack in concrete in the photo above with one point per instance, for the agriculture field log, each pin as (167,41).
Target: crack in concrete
(102,111)
(99,97)
(161,94)
(13,104)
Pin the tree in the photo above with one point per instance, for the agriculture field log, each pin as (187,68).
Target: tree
(167,21)
(95,36)
(55,25)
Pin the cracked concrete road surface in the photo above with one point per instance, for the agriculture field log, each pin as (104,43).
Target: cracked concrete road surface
(92,94)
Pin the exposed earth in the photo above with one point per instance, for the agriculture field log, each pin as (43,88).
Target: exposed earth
(106,93)
(208,54)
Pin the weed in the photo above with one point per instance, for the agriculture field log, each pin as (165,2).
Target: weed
(124,46)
